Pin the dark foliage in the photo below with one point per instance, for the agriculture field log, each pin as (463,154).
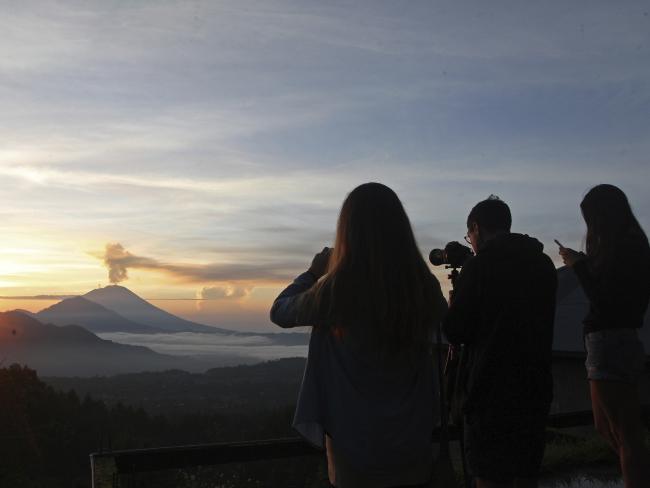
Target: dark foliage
(237,389)
(46,437)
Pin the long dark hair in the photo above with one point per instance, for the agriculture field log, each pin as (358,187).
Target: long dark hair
(610,224)
(377,282)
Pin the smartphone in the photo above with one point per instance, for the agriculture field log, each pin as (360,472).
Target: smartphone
(558,243)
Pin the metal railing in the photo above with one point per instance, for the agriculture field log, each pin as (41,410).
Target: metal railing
(107,467)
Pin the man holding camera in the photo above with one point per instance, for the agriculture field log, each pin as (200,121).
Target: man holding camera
(502,312)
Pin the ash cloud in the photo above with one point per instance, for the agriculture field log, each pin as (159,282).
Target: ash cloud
(118,261)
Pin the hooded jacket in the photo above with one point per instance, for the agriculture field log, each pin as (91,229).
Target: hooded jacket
(503,310)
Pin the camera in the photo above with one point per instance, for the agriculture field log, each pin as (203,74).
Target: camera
(454,255)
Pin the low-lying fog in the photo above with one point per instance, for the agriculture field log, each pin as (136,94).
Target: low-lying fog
(205,345)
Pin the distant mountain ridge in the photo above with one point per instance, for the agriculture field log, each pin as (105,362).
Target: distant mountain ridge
(92,316)
(18,328)
(74,351)
(115,308)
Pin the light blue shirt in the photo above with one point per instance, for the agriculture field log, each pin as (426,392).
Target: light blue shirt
(380,416)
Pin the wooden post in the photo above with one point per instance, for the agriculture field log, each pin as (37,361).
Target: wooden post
(104,471)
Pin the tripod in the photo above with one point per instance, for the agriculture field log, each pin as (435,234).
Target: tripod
(449,377)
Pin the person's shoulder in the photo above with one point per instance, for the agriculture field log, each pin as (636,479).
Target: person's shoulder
(634,248)
(546,261)
(477,258)
(631,254)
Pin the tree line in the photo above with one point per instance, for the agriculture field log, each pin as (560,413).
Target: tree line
(46,436)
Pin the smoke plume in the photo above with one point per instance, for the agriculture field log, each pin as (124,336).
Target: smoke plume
(118,261)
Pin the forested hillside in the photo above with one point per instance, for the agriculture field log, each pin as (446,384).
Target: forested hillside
(46,437)
(246,388)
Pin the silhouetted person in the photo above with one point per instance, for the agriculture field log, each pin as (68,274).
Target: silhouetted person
(369,389)
(615,275)
(503,310)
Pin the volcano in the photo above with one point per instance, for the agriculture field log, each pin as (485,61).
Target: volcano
(130,306)
(91,316)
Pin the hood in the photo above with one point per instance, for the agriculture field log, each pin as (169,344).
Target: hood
(511,245)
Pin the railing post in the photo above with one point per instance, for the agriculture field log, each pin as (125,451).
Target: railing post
(104,471)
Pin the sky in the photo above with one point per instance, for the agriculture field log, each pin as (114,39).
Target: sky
(198,152)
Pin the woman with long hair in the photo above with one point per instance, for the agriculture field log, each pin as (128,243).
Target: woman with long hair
(369,391)
(615,275)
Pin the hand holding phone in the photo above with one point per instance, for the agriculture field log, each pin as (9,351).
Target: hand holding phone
(569,256)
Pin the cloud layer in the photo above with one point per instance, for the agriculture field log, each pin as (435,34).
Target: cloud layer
(224,292)
(256,348)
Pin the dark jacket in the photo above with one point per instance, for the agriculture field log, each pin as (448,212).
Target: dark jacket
(618,294)
(503,310)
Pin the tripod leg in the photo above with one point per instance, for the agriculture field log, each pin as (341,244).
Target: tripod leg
(468,481)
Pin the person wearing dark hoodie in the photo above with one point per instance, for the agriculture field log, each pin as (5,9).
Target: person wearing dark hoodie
(502,311)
